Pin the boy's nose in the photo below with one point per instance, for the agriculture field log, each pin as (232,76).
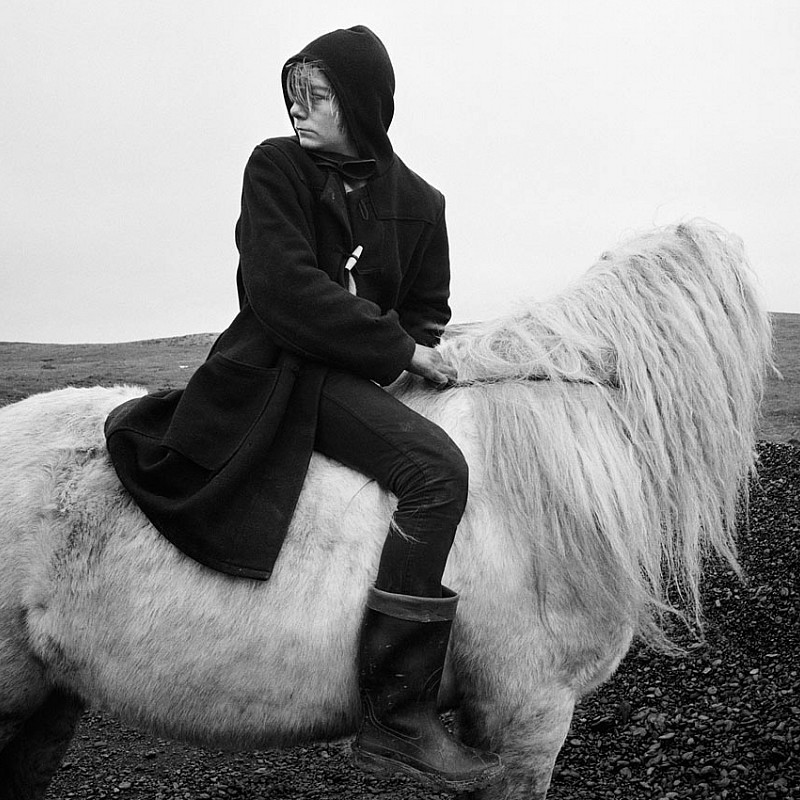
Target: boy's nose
(297,111)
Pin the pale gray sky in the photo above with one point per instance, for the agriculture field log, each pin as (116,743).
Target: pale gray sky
(555,128)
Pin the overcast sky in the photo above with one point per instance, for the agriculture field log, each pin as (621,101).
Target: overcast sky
(554,128)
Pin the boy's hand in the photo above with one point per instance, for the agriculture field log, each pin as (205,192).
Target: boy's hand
(427,363)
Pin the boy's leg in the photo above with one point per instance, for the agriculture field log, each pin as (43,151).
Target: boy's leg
(364,427)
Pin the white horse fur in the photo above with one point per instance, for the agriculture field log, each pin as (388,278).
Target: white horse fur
(595,494)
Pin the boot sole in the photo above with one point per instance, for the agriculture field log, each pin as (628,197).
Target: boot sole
(380,765)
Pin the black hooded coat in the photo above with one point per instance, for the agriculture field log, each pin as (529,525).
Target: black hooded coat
(218,466)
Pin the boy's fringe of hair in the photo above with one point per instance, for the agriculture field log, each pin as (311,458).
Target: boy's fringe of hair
(628,464)
(299,88)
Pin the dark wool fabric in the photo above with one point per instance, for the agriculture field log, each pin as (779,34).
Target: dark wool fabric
(218,466)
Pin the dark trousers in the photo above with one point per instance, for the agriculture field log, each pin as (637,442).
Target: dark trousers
(362,426)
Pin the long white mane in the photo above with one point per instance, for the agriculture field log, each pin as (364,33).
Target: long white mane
(629,460)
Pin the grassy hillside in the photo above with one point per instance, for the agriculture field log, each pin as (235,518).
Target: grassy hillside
(154,363)
(167,363)
(781,421)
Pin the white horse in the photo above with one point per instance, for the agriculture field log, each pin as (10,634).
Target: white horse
(609,434)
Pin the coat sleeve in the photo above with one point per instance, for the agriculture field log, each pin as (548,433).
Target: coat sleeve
(425,309)
(297,303)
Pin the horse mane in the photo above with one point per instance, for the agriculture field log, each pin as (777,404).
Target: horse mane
(626,464)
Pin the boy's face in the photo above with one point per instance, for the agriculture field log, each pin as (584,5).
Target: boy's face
(317,125)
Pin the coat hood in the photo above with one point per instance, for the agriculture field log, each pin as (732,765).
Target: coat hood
(359,69)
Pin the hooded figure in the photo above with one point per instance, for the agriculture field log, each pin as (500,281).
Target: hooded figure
(343,284)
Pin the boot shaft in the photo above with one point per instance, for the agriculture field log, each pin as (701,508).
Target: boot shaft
(403,647)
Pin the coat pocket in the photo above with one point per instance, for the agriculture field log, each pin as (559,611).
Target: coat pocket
(222,402)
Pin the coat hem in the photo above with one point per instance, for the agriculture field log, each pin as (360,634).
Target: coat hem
(234,570)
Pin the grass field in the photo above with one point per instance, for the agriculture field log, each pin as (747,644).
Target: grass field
(168,363)
(781,421)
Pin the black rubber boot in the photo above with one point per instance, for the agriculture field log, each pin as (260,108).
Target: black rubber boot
(403,647)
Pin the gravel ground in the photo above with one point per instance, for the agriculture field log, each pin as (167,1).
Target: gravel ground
(721,722)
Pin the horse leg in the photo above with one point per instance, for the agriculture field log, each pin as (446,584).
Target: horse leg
(519,689)
(35,745)
(527,731)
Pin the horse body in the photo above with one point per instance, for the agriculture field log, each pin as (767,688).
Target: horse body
(109,611)
(590,493)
